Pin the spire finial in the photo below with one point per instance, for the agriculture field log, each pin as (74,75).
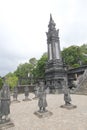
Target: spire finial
(51,22)
(50,17)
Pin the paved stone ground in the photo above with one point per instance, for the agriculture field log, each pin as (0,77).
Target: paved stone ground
(22,114)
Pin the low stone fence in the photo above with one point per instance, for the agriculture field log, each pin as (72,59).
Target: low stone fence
(21,88)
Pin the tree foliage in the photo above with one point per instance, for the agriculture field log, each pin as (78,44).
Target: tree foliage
(73,56)
(39,71)
(24,71)
(84,53)
(11,80)
(84,48)
(1,83)
(33,62)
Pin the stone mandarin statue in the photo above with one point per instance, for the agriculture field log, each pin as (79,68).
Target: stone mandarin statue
(36,89)
(67,97)
(15,93)
(5,102)
(66,91)
(42,103)
(26,91)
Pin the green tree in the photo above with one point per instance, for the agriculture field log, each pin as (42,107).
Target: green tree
(1,83)
(11,80)
(72,56)
(84,48)
(33,62)
(39,71)
(24,71)
(84,53)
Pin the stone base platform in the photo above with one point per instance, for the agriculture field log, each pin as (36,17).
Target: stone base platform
(27,99)
(43,114)
(15,101)
(35,98)
(5,125)
(69,107)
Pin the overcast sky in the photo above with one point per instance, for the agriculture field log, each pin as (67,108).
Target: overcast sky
(24,23)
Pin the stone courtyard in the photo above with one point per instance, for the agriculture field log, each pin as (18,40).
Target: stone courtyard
(22,114)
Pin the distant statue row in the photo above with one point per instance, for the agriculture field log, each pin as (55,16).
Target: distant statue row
(40,93)
(15,94)
(42,103)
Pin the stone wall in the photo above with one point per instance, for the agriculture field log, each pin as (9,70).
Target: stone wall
(21,88)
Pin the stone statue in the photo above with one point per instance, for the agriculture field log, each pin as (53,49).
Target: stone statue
(15,93)
(0,108)
(67,97)
(5,102)
(42,103)
(66,91)
(26,90)
(36,89)
(47,87)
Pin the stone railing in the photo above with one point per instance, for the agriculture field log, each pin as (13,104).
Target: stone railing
(81,83)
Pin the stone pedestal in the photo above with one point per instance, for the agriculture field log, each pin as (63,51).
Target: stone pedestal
(43,114)
(27,99)
(69,107)
(15,101)
(35,98)
(4,125)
